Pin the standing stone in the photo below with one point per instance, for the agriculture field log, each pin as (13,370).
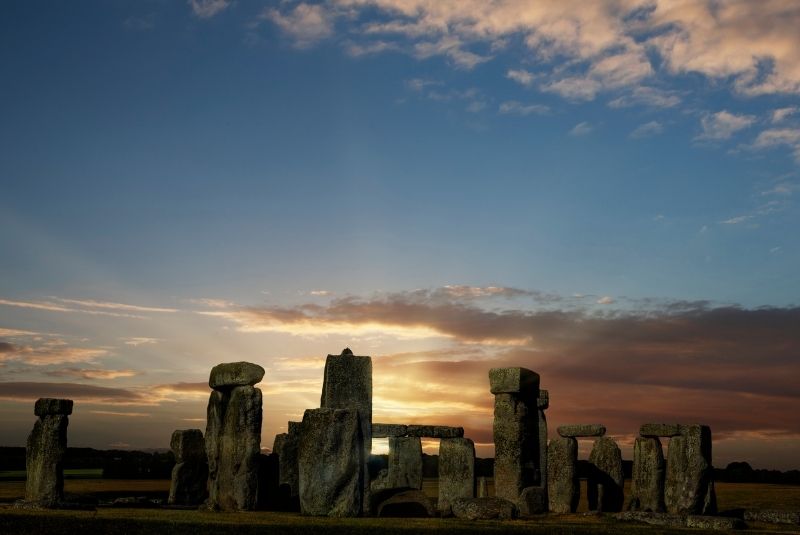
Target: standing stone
(483,488)
(456,472)
(606,478)
(405,462)
(543,403)
(285,447)
(516,431)
(563,491)
(348,385)
(647,483)
(689,487)
(190,473)
(332,469)
(532,501)
(233,437)
(44,453)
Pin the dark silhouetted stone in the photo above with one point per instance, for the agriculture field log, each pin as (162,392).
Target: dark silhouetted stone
(434,431)
(286,448)
(331,463)
(532,501)
(233,446)
(44,453)
(190,473)
(517,457)
(48,406)
(456,471)
(235,374)
(483,488)
(606,478)
(484,509)
(407,504)
(660,430)
(647,482)
(581,430)
(689,486)
(563,491)
(389,430)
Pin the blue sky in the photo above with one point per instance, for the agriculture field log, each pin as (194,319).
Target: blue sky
(622,157)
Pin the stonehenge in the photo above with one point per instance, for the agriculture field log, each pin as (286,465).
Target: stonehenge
(456,472)
(190,473)
(563,491)
(285,446)
(233,436)
(606,479)
(44,453)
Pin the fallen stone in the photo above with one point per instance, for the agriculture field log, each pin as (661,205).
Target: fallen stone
(714,522)
(407,504)
(190,473)
(44,453)
(389,430)
(48,406)
(772,516)
(647,481)
(233,446)
(514,381)
(654,519)
(689,483)
(456,472)
(660,430)
(484,509)
(235,374)
(532,501)
(606,478)
(331,463)
(434,431)
(563,491)
(581,430)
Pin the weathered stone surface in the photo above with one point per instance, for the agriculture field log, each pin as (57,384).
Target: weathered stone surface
(389,430)
(714,522)
(233,445)
(45,406)
(581,430)
(542,446)
(772,516)
(514,381)
(456,471)
(190,473)
(654,519)
(484,509)
(407,504)
(532,501)
(331,463)
(647,483)
(543,401)
(518,455)
(405,462)
(434,431)
(606,478)
(348,385)
(563,491)
(689,485)
(44,455)
(231,374)
(660,430)
(483,488)
(285,447)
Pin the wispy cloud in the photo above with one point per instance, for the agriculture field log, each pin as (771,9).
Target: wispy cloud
(521,76)
(205,9)
(723,124)
(50,352)
(776,137)
(649,129)
(91,303)
(91,373)
(581,129)
(306,24)
(137,341)
(781,114)
(512,107)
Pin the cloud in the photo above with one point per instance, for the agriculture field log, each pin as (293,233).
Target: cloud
(581,129)
(306,24)
(649,129)
(419,84)
(54,351)
(453,49)
(512,107)
(782,114)
(605,300)
(91,303)
(776,137)
(31,391)
(521,76)
(205,9)
(122,414)
(16,332)
(647,96)
(723,124)
(91,373)
(91,306)
(137,341)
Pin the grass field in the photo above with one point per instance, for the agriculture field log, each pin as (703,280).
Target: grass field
(179,522)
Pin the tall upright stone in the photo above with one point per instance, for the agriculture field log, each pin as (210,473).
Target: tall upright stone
(331,465)
(405,463)
(606,478)
(190,473)
(517,461)
(563,491)
(647,479)
(233,436)
(456,472)
(44,452)
(542,404)
(348,385)
(689,486)
(285,446)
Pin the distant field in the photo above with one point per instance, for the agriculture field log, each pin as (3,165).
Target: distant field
(71,473)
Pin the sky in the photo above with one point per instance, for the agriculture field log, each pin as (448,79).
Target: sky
(605,193)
